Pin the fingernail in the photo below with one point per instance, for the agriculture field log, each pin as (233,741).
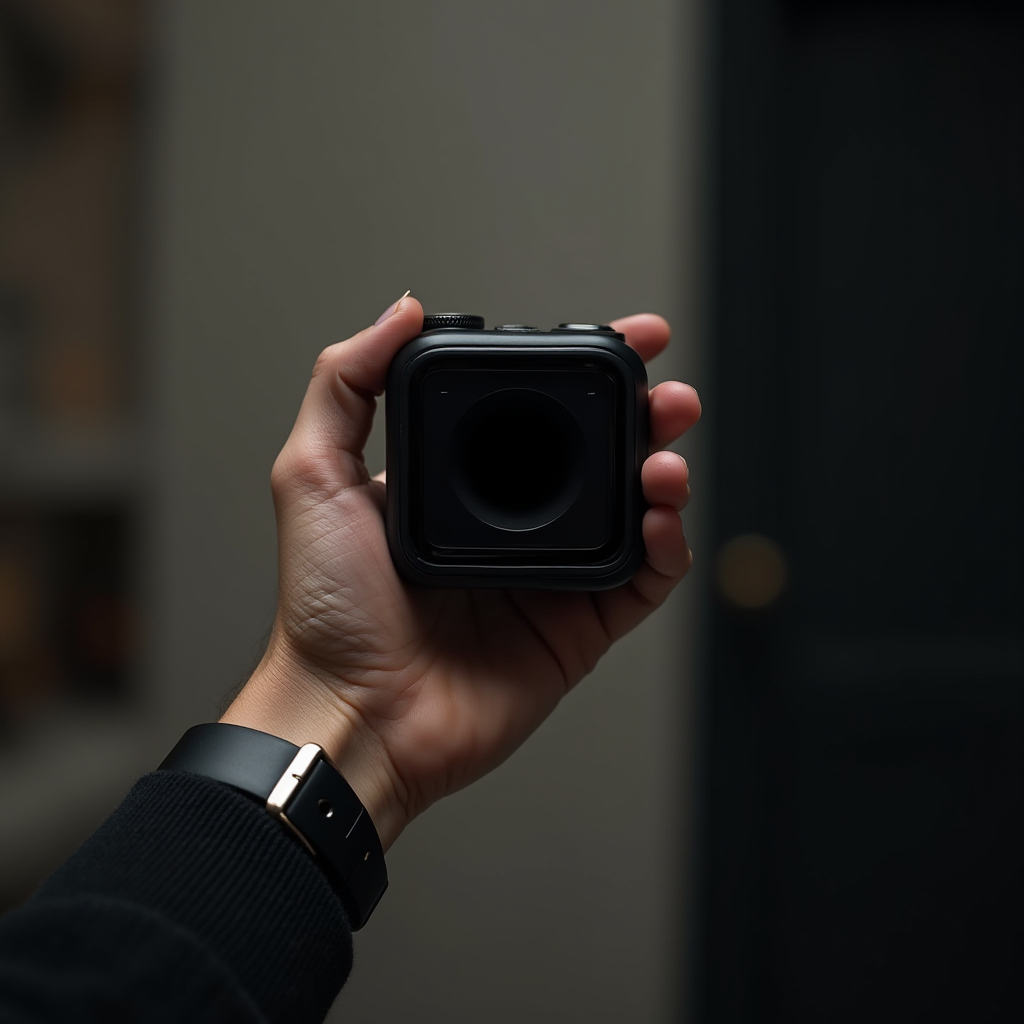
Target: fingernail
(391,310)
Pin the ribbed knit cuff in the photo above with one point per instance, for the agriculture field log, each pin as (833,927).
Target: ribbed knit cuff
(215,864)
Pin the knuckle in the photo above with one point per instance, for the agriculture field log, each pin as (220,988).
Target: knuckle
(322,361)
(325,360)
(279,473)
(296,468)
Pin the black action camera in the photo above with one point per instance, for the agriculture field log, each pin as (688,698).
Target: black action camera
(514,456)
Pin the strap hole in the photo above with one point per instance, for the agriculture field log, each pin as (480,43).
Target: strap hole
(325,808)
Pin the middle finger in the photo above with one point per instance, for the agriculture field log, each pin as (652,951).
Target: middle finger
(675,407)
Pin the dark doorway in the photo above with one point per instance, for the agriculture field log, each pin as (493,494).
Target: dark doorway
(862,837)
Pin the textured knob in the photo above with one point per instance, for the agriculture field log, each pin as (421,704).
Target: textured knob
(468,321)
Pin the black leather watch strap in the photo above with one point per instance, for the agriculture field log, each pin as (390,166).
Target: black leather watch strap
(302,789)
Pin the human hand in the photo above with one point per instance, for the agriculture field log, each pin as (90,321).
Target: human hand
(415,693)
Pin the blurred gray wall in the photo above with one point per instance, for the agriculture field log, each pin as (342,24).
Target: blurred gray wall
(532,161)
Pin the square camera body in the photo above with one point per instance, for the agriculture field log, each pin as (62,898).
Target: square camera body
(514,456)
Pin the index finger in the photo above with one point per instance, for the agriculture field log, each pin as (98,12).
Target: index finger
(648,333)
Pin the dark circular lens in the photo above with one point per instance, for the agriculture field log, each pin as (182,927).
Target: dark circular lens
(519,459)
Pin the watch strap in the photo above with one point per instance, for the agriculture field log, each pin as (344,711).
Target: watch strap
(303,790)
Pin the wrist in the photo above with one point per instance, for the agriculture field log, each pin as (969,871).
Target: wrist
(290,699)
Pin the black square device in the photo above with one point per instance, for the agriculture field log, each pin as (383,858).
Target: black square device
(514,456)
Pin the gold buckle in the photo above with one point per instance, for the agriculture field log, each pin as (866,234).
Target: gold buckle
(289,783)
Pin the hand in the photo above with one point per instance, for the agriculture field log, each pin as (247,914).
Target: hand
(415,693)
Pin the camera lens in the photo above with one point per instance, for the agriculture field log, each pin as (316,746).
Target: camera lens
(519,459)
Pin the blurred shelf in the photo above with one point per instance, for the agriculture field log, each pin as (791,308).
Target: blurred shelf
(74,462)
(52,464)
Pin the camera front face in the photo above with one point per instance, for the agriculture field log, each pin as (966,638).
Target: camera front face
(514,458)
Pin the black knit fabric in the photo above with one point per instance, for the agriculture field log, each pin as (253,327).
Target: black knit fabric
(189,903)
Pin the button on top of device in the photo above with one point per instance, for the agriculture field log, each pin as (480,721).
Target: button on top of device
(516,328)
(585,327)
(466,321)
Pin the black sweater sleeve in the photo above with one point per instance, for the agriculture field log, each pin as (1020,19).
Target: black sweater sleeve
(188,904)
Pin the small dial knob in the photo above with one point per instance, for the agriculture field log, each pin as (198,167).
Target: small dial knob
(467,321)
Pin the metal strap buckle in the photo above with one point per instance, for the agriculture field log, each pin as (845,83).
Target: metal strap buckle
(288,785)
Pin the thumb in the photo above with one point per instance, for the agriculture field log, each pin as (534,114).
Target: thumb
(336,415)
